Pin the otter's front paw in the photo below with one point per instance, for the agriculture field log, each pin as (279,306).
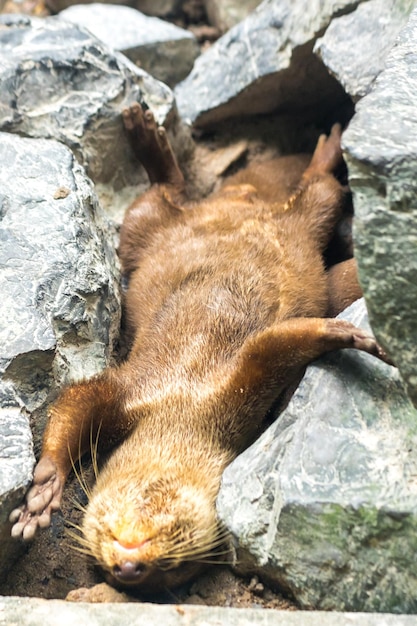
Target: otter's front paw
(42,499)
(346,335)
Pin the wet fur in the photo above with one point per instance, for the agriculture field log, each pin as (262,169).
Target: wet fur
(227,303)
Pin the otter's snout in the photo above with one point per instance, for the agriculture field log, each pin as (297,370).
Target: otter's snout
(129,572)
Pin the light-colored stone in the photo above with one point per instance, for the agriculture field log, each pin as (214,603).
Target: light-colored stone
(355,46)
(60,304)
(381,151)
(161,49)
(264,63)
(227,13)
(59,81)
(324,504)
(29,611)
(159,8)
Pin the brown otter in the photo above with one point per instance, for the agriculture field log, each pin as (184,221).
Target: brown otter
(226,302)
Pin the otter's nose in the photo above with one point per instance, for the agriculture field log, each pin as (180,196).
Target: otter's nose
(128,571)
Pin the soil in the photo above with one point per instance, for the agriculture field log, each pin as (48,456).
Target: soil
(50,567)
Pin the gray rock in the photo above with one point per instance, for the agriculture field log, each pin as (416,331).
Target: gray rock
(355,46)
(59,5)
(381,150)
(60,305)
(59,81)
(227,13)
(160,8)
(264,63)
(30,611)
(161,49)
(324,504)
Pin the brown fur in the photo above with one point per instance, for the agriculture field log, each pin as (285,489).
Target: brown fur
(226,303)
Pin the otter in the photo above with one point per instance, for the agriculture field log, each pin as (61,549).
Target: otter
(228,300)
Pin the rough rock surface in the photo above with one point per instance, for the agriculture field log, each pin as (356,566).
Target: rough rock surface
(59,304)
(59,81)
(227,13)
(325,502)
(264,63)
(381,145)
(26,612)
(160,8)
(161,49)
(355,46)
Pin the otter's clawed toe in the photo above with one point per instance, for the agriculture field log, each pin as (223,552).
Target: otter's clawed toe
(328,153)
(42,499)
(133,117)
(367,343)
(343,334)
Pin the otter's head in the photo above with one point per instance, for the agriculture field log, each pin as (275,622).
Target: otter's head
(153,534)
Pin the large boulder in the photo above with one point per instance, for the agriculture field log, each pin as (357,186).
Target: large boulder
(381,151)
(161,49)
(324,504)
(58,81)
(160,8)
(355,46)
(264,63)
(60,305)
(227,13)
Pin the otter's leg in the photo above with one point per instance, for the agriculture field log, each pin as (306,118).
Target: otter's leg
(343,286)
(151,146)
(161,204)
(327,156)
(83,413)
(313,211)
(271,360)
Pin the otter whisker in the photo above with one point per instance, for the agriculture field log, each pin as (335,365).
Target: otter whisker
(80,476)
(74,525)
(79,538)
(197,556)
(200,543)
(84,551)
(84,479)
(94,448)
(77,504)
(196,551)
(80,545)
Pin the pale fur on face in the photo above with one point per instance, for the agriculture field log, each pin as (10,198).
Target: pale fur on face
(162,515)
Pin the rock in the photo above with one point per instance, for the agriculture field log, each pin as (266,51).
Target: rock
(16,464)
(30,611)
(355,46)
(60,305)
(324,504)
(225,14)
(161,49)
(159,8)
(58,81)
(59,5)
(264,63)
(381,150)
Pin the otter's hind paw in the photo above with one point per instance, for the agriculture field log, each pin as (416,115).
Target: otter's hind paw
(42,499)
